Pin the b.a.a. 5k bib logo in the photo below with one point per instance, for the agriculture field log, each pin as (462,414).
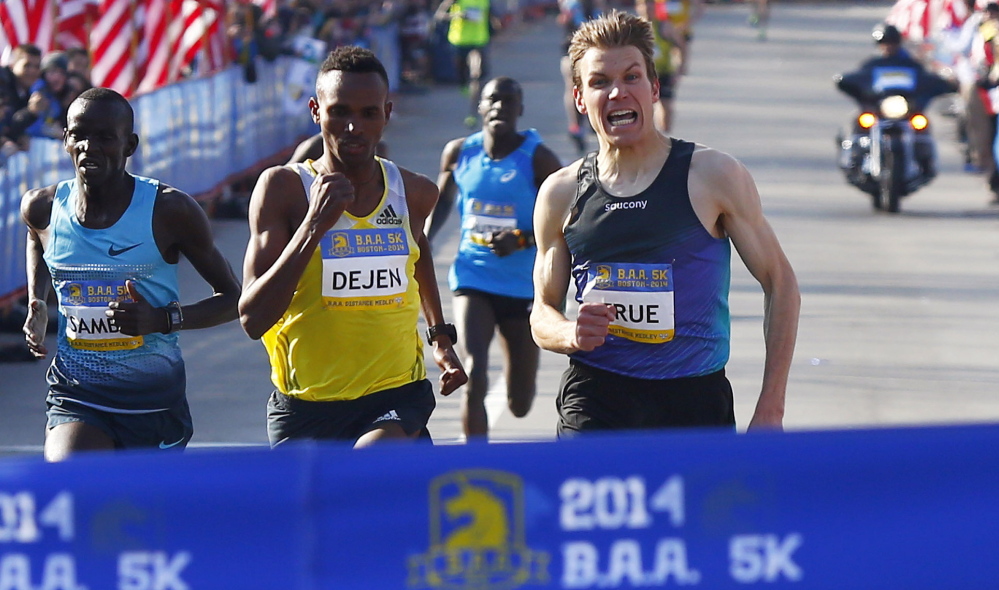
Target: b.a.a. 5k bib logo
(477,539)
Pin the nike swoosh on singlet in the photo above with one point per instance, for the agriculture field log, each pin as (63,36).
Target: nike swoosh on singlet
(112,251)
(164,445)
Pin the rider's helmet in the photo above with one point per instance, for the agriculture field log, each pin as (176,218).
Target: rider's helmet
(885,33)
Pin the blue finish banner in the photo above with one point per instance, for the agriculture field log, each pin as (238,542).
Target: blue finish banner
(901,508)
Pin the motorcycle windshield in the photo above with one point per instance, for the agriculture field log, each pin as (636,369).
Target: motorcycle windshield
(895,79)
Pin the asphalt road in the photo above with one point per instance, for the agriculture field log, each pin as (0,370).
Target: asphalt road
(899,321)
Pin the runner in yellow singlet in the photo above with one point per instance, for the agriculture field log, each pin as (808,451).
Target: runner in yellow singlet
(337,270)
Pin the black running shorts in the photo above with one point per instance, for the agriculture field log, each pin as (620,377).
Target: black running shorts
(290,418)
(166,429)
(666,87)
(593,399)
(504,308)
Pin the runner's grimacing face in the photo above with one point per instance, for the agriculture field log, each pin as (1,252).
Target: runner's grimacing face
(617,94)
(99,140)
(352,111)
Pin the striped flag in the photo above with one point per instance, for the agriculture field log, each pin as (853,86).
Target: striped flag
(112,46)
(203,33)
(27,21)
(74,22)
(176,35)
(157,51)
(135,45)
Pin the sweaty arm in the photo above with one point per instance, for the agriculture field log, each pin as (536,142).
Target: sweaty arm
(741,217)
(36,209)
(447,187)
(285,230)
(421,197)
(552,269)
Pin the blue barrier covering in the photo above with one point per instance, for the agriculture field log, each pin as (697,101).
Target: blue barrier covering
(192,135)
(904,508)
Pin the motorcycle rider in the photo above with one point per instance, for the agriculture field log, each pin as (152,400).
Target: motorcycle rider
(865,87)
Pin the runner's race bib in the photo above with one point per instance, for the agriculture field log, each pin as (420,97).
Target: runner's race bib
(365,268)
(87,326)
(642,294)
(484,218)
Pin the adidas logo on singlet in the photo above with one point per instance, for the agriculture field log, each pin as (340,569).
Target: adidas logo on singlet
(388,217)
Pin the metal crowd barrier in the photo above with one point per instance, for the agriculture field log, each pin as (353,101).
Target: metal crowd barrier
(194,135)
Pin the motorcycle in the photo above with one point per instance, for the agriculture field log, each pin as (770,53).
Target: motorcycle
(890,152)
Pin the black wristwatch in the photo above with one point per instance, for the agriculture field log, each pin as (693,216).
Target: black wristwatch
(175,317)
(442,330)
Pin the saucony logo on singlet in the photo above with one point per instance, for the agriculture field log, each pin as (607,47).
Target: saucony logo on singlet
(112,251)
(625,205)
(388,217)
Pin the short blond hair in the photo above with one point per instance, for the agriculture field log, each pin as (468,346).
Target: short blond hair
(617,29)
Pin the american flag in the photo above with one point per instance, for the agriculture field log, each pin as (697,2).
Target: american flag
(74,23)
(112,46)
(157,49)
(203,33)
(27,21)
(135,45)
(180,34)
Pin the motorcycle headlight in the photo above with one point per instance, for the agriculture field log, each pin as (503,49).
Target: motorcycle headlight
(919,122)
(894,107)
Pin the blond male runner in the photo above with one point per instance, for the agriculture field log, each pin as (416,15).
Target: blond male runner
(643,227)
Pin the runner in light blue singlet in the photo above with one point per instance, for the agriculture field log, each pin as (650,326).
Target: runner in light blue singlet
(495,195)
(95,364)
(494,176)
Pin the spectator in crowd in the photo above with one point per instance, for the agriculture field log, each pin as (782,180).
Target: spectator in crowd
(383,33)
(78,62)
(414,35)
(8,146)
(23,106)
(52,85)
